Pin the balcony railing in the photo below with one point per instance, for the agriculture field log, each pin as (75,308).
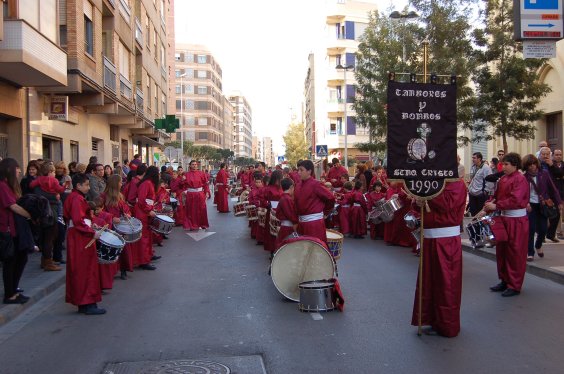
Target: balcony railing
(138,32)
(125,87)
(109,75)
(124,10)
(139,99)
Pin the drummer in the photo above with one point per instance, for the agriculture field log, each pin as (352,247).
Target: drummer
(134,185)
(312,199)
(335,173)
(254,199)
(221,188)
(101,219)
(358,211)
(286,212)
(197,189)
(177,187)
(345,208)
(395,231)
(270,196)
(442,262)
(115,204)
(82,280)
(143,211)
(163,197)
(376,230)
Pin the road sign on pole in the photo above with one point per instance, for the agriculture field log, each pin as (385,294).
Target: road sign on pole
(538,20)
(321,150)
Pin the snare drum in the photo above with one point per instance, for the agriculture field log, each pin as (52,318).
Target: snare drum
(335,243)
(274,223)
(239,208)
(173,203)
(251,211)
(391,206)
(167,210)
(411,221)
(480,232)
(129,228)
(162,224)
(261,213)
(109,247)
(317,296)
(244,196)
(300,260)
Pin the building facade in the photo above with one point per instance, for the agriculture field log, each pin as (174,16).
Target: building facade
(107,63)
(257,149)
(243,125)
(199,98)
(330,87)
(268,151)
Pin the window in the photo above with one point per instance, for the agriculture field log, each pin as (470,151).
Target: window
(177,56)
(123,55)
(114,133)
(202,90)
(189,73)
(163,55)
(88,36)
(202,74)
(191,120)
(148,31)
(189,104)
(178,105)
(202,59)
(202,105)
(74,150)
(189,88)
(202,135)
(202,121)
(189,57)
(63,35)
(178,91)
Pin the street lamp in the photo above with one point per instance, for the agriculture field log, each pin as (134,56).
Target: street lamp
(345,68)
(403,16)
(182,118)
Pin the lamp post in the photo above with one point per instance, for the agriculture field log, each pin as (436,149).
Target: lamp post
(182,118)
(345,68)
(403,16)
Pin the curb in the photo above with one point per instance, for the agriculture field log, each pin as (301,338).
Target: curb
(532,268)
(9,312)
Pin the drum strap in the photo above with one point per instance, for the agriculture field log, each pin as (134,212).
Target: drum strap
(311,217)
(442,232)
(345,206)
(356,204)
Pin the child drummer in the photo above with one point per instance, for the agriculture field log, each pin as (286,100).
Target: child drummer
(286,212)
(101,219)
(376,230)
(82,279)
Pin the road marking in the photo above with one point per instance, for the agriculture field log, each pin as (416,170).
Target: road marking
(316,316)
(197,236)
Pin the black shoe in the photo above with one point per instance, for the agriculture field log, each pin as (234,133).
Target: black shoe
(554,240)
(19,290)
(20,299)
(155,258)
(510,292)
(501,286)
(147,267)
(165,237)
(92,310)
(123,275)
(159,244)
(82,309)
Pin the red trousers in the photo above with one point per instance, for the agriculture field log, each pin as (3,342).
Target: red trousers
(512,255)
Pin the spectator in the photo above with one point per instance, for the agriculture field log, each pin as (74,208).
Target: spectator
(93,160)
(546,163)
(108,171)
(126,168)
(500,154)
(360,177)
(494,164)
(554,225)
(166,177)
(80,169)
(72,169)
(134,164)
(95,174)
(30,175)
(542,144)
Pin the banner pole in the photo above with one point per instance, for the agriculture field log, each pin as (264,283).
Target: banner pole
(420,296)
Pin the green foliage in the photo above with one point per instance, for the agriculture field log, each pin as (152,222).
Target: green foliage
(508,86)
(296,146)
(244,161)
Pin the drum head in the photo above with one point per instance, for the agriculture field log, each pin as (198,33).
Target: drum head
(164,218)
(112,239)
(124,226)
(300,260)
(334,235)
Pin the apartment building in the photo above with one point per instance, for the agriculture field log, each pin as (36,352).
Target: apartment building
(257,149)
(268,151)
(109,57)
(200,103)
(329,91)
(228,123)
(243,126)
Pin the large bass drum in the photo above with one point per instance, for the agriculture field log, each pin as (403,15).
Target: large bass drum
(300,260)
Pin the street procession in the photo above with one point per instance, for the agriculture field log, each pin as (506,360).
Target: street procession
(321,186)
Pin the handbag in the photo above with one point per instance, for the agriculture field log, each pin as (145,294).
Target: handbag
(548,209)
(7,247)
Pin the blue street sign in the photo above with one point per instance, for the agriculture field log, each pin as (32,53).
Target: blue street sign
(321,150)
(541,4)
(280,159)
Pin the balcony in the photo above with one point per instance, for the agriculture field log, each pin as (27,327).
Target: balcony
(125,11)
(29,59)
(138,32)
(125,87)
(139,99)
(335,107)
(109,75)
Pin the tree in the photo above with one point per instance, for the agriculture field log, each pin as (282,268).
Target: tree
(244,161)
(507,85)
(296,146)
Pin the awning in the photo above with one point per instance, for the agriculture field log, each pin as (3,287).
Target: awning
(146,141)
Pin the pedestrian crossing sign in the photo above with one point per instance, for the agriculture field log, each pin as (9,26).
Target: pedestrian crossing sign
(321,150)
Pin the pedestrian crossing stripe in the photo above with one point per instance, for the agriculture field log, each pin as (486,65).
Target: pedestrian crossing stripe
(199,235)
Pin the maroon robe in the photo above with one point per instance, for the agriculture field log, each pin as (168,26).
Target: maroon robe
(196,211)
(335,174)
(141,211)
(222,194)
(513,193)
(107,271)
(359,210)
(344,213)
(126,256)
(286,211)
(312,197)
(177,186)
(270,193)
(254,199)
(396,232)
(442,264)
(132,191)
(83,277)
(376,231)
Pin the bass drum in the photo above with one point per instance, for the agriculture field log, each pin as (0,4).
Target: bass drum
(300,260)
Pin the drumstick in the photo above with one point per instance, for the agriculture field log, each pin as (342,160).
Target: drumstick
(94,239)
(129,221)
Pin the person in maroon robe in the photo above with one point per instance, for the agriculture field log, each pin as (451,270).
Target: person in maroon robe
(345,208)
(271,195)
(442,262)
(396,232)
(312,199)
(334,174)
(197,189)
(295,176)
(254,199)
(143,211)
(376,230)
(222,187)
(177,187)
(511,198)
(101,219)
(358,212)
(286,212)
(131,197)
(83,276)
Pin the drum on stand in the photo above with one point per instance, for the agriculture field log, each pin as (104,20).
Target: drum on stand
(162,224)
(335,243)
(300,260)
(109,246)
(167,210)
(129,228)
(480,231)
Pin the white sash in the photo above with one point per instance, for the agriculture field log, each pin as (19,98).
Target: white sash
(200,189)
(441,232)
(514,213)
(286,223)
(311,217)
(274,204)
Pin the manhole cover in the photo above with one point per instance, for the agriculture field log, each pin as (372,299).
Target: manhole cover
(188,367)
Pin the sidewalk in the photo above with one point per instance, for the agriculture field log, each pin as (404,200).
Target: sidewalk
(36,284)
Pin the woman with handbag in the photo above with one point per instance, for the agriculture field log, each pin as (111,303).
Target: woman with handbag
(544,201)
(13,260)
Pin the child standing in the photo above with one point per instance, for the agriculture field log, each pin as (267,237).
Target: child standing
(376,230)
(102,218)
(345,209)
(254,199)
(286,212)
(358,212)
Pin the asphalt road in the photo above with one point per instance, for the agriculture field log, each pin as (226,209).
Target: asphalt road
(213,298)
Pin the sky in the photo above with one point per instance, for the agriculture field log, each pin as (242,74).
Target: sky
(262,47)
